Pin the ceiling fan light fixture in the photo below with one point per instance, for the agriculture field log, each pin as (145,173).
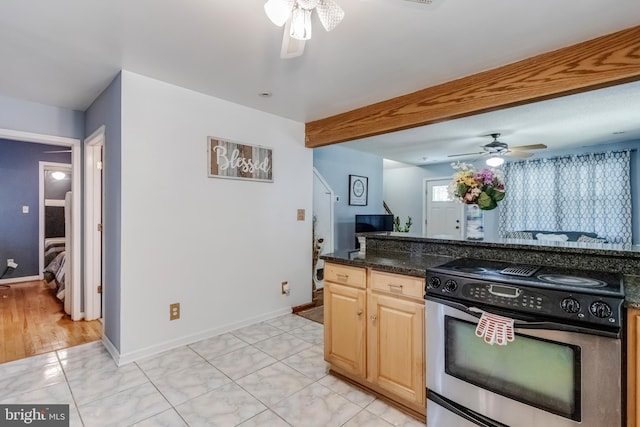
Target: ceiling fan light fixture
(296,14)
(495,161)
(279,11)
(300,23)
(58,175)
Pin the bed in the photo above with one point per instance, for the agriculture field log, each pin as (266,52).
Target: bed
(55,260)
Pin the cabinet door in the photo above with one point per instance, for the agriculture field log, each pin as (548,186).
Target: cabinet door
(396,346)
(633,368)
(344,327)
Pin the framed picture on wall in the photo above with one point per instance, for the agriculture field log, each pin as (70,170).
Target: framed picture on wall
(234,160)
(358,190)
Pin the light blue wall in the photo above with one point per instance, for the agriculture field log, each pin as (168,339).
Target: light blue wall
(107,110)
(335,164)
(31,117)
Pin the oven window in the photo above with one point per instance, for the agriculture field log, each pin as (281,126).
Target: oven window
(541,373)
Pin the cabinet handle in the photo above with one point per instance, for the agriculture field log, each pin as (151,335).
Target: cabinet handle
(359,313)
(373,317)
(395,288)
(343,277)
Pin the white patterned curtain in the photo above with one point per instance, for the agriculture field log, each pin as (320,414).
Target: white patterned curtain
(588,193)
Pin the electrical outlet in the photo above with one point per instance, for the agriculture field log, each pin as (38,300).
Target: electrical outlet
(10,262)
(174,311)
(301,213)
(284,288)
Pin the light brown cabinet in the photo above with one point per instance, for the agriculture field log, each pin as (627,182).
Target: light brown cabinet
(374,332)
(344,327)
(633,368)
(395,339)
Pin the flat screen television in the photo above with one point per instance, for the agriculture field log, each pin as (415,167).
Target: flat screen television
(373,223)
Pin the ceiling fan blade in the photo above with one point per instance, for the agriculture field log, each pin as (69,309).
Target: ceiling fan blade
(329,13)
(291,48)
(467,154)
(279,11)
(529,147)
(519,154)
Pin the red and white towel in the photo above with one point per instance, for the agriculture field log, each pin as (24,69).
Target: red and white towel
(495,329)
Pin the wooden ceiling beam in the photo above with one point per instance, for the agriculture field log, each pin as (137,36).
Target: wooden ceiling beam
(605,61)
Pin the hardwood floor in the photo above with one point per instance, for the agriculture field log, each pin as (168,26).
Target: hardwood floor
(32,321)
(315,313)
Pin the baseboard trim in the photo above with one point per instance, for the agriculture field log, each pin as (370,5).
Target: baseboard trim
(299,308)
(19,279)
(125,358)
(111,349)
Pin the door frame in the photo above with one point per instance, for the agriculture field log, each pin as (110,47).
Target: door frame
(76,190)
(93,216)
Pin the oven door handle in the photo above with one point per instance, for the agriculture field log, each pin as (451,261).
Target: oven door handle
(520,323)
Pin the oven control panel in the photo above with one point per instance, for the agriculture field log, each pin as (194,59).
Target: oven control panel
(580,307)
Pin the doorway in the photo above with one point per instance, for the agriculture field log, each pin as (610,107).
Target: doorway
(443,216)
(323,238)
(30,296)
(323,225)
(55,229)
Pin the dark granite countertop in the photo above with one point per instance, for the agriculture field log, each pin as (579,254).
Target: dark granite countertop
(415,264)
(407,263)
(606,249)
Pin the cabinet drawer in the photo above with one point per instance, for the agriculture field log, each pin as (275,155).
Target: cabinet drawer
(343,274)
(397,284)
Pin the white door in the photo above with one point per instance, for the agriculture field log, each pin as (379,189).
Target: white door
(443,214)
(93,244)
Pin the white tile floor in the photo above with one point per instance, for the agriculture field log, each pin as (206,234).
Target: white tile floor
(267,374)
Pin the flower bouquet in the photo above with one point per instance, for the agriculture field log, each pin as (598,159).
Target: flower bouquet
(484,188)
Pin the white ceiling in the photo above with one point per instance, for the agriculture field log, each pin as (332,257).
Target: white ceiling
(65,52)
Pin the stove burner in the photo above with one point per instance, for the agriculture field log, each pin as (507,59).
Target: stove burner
(469,269)
(561,279)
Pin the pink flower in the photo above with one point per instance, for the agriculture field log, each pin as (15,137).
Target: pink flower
(486,176)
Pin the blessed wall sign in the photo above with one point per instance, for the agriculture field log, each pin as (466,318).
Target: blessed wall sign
(232,160)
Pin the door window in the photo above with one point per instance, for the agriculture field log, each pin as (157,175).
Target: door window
(440,193)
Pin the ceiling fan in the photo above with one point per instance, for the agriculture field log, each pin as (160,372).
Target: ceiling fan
(498,148)
(296,14)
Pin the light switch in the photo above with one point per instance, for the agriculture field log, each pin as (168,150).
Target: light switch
(25,209)
(300,214)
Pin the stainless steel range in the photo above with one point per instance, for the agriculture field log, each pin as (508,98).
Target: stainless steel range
(523,346)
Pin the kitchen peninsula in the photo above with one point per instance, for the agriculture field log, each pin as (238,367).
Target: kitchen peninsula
(380,287)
